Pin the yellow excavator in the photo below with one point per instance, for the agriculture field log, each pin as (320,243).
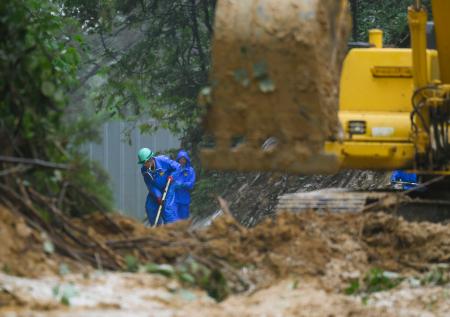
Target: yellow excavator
(281,71)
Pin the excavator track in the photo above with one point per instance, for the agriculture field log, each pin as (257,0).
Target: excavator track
(339,200)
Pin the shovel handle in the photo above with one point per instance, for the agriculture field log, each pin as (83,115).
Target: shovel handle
(163,199)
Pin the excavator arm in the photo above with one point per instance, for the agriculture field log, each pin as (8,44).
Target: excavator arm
(430,114)
(441,15)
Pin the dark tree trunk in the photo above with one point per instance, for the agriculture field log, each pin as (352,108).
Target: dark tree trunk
(196,35)
(354,10)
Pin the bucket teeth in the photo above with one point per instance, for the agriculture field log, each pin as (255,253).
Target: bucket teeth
(260,160)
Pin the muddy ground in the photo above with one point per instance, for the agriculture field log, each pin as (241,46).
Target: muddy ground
(292,265)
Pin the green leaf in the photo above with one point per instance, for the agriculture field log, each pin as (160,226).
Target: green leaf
(65,300)
(187,278)
(132,263)
(163,269)
(48,88)
(58,95)
(353,288)
(64,293)
(378,280)
(78,38)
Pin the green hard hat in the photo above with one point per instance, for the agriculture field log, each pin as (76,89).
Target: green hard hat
(144,155)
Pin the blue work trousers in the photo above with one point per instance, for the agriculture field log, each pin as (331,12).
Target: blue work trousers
(183,211)
(168,213)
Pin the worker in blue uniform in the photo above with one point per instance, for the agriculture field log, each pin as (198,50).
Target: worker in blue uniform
(184,180)
(156,171)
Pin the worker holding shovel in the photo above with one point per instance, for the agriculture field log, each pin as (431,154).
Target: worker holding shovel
(157,173)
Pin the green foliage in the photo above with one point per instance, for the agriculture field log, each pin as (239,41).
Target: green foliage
(192,274)
(438,275)
(7,269)
(39,61)
(37,64)
(207,187)
(163,269)
(212,281)
(160,75)
(376,280)
(89,187)
(64,293)
(353,288)
(132,263)
(388,15)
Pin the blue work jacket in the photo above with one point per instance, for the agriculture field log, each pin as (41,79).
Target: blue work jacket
(184,179)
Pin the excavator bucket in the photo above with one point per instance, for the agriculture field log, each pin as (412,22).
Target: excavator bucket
(273,99)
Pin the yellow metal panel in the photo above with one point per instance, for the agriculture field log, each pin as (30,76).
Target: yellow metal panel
(441,15)
(392,71)
(376,38)
(380,126)
(373,155)
(362,91)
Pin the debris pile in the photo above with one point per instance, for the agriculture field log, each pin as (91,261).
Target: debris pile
(22,250)
(329,255)
(290,244)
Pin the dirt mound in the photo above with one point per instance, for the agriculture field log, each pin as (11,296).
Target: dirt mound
(299,260)
(112,225)
(397,243)
(331,248)
(22,250)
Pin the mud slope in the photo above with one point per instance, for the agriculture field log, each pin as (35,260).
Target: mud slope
(25,251)
(254,196)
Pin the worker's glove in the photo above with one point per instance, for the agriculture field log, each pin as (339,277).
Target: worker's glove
(159,200)
(170,178)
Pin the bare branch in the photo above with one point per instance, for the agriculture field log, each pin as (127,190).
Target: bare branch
(207,18)
(37,162)
(196,35)
(15,169)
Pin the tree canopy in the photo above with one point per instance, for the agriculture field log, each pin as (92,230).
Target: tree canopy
(39,61)
(389,15)
(159,75)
